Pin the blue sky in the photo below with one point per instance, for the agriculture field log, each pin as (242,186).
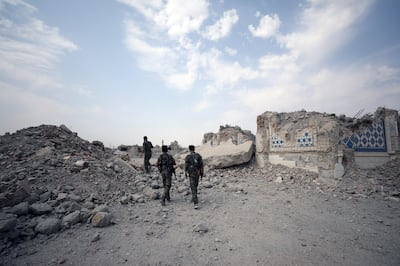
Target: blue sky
(173,70)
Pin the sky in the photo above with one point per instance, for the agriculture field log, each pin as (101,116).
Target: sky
(117,70)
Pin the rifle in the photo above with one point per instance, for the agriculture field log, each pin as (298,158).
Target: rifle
(173,171)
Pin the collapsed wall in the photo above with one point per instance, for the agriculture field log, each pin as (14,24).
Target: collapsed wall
(228,147)
(325,143)
(228,133)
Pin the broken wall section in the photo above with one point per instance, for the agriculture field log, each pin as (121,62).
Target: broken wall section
(374,140)
(228,133)
(324,143)
(228,147)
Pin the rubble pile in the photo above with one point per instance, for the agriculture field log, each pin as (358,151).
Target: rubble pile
(51,179)
(275,173)
(55,160)
(384,180)
(380,181)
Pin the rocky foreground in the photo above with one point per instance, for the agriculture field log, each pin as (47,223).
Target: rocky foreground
(52,182)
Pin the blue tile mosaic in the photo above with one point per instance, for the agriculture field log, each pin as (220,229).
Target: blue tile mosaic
(305,140)
(277,142)
(371,139)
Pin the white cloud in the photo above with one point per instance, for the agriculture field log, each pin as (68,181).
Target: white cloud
(273,98)
(27,8)
(231,51)
(222,27)
(233,117)
(184,80)
(268,26)
(203,105)
(26,76)
(176,17)
(181,81)
(20,108)
(224,74)
(151,58)
(182,17)
(83,91)
(148,8)
(387,73)
(177,66)
(29,48)
(30,51)
(97,111)
(182,66)
(356,87)
(280,67)
(349,90)
(164,46)
(326,25)
(292,83)
(280,82)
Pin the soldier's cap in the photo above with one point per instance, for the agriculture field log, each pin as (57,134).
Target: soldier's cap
(191,147)
(164,148)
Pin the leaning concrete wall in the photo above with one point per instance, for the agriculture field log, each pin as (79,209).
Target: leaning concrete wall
(321,142)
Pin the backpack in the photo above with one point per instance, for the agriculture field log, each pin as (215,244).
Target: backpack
(166,162)
(192,163)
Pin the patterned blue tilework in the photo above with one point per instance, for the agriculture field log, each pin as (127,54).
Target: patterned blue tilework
(305,140)
(277,142)
(370,140)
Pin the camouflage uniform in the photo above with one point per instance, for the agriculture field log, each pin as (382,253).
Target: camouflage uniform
(194,167)
(165,164)
(147,146)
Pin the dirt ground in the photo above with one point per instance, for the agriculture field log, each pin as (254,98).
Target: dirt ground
(262,223)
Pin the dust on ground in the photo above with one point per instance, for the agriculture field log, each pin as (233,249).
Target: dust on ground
(249,220)
(247,216)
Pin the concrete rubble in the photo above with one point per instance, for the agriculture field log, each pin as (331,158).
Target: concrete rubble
(325,143)
(230,146)
(51,180)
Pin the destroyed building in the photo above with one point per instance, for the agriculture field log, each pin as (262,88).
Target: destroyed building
(325,143)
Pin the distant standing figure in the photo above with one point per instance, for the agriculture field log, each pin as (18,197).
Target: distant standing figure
(147,146)
(194,168)
(166,165)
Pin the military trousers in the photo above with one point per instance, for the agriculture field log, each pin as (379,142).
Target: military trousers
(194,183)
(147,165)
(167,182)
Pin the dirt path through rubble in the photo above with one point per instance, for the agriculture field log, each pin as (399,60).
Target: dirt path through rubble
(262,224)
